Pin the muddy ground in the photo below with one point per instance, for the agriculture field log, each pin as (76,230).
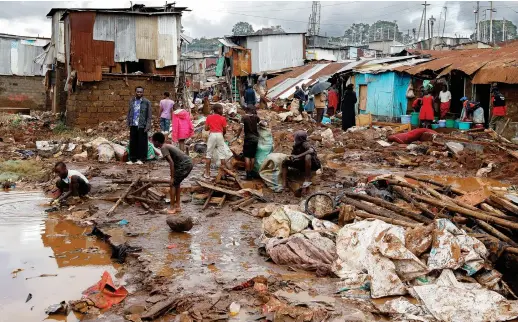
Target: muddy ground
(222,250)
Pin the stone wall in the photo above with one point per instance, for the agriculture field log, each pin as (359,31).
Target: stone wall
(23,92)
(107,100)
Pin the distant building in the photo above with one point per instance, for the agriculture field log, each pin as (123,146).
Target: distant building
(101,55)
(22,81)
(440,43)
(273,52)
(386,47)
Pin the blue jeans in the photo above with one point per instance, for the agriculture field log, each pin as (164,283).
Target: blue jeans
(165,124)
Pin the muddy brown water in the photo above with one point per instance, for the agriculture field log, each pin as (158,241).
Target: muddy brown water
(33,243)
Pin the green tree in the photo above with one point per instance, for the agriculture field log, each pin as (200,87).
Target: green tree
(242,28)
(498,30)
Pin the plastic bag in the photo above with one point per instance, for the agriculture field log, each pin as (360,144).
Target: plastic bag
(410,91)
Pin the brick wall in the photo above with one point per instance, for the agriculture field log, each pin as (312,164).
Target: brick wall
(23,92)
(107,100)
(510,92)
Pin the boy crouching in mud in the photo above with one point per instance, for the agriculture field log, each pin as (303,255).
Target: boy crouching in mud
(71,182)
(180,165)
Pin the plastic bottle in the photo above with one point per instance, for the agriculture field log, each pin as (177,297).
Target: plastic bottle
(234,308)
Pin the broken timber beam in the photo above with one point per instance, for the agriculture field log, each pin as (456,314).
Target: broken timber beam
(439,184)
(141,189)
(376,210)
(385,204)
(364,214)
(507,205)
(112,209)
(466,212)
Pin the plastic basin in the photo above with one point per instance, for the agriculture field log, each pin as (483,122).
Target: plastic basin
(464,125)
(450,124)
(435,126)
(414,118)
(406,119)
(442,123)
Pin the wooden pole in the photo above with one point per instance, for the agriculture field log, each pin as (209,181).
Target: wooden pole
(112,209)
(376,210)
(417,204)
(466,212)
(364,214)
(504,204)
(385,204)
(124,181)
(493,231)
(141,189)
(489,208)
(442,185)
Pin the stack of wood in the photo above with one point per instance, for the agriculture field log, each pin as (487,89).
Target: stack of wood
(142,191)
(423,200)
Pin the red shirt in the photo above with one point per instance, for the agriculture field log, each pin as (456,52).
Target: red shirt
(216,123)
(332,99)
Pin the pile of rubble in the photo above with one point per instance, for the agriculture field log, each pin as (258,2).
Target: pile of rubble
(433,245)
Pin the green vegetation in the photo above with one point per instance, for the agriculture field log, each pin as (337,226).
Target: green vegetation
(13,170)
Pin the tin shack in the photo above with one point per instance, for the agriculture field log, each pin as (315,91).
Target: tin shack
(101,55)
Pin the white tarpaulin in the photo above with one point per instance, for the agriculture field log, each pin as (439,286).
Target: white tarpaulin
(376,249)
(453,248)
(450,300)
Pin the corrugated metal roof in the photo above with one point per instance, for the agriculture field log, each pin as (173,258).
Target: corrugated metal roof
(5,57)
(146,37)
(229,43)
(26,65)
(485,65)
(168,41)
(284,85)
(125,33)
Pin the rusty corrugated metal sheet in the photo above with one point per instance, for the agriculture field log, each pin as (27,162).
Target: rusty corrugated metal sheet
(104,27)
(125,33)
(168,41)
(485,65)
(87,56)
(241,62)
(147,37)
(292,74)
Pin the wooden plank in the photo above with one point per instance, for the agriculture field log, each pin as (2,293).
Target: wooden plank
(112,209)
(206,204)
(223,190)
(222,201)
(141,189)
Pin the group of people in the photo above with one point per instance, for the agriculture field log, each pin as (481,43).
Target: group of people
(327,103)
(471,111)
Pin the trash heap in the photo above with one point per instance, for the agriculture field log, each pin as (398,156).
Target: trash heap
(431,245)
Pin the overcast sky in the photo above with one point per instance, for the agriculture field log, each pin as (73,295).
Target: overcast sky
(212,18)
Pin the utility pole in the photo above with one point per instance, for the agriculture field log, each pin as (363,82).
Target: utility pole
(420,23)
(444,25)
(503,31)
(395,25)
(432,21)
(491,22)
(477,22)
(424,33)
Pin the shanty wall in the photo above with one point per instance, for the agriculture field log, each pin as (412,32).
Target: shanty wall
(108,100)
(275,52)
(22,92)
(386,93)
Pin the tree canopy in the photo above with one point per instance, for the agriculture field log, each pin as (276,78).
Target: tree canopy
(242,28)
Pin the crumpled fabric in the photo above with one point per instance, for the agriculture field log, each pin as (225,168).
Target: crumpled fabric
(104,294)
(377,249)
(450,300)
(308,250)
(453,248)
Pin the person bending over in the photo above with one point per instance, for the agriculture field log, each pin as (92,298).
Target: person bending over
(70,183)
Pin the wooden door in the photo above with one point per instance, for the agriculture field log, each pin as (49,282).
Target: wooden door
(362,106)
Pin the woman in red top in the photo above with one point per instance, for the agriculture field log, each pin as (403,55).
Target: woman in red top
(426,114)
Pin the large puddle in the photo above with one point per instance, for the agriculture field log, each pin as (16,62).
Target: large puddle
(51,259)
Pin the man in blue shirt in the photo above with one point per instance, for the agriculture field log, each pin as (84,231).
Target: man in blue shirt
(250,96)
(139,122)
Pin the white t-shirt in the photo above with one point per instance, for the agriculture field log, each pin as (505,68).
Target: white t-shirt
(445,96)
(74,173)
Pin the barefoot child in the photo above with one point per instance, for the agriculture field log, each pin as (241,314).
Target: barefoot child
(71,182)
(180,166)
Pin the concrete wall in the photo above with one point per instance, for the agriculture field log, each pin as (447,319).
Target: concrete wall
(107,100)
(23,92)
(386,93)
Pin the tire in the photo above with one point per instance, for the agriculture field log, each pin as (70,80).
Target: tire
(313,197)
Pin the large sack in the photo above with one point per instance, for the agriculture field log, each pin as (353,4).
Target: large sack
(105,152)
(308,251)
(284,221)
(409,137)
(271,171)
